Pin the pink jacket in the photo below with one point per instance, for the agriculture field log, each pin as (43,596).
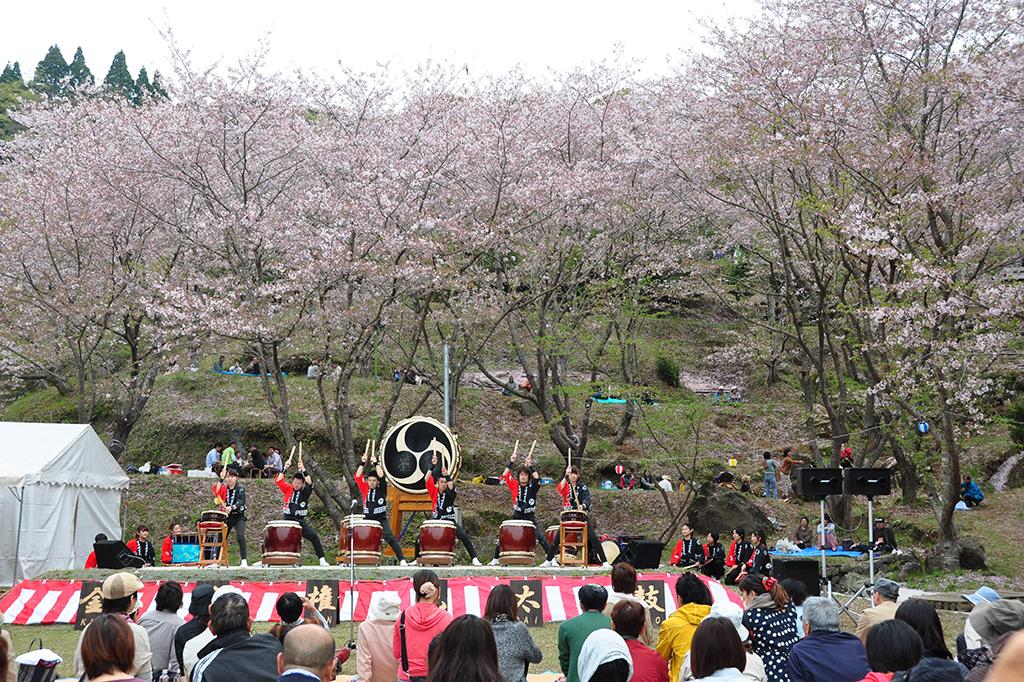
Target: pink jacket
(423,622)
(877,677)
(374,662)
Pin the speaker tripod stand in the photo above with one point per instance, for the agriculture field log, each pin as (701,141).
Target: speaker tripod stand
(866,588)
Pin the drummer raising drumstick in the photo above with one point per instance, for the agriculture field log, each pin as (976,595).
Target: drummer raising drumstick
(442,494)
(296,503)
(374,490)
(524,488)
(231,498)
(576,496)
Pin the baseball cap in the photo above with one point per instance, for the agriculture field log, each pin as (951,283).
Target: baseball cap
(880,519)
(889,589)
(733,613)
(202,596)
(984,595)
(225,589)
(120,585)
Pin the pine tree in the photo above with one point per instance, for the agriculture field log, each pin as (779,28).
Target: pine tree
(119,80)
(142,84)
(158,88)
(80,73)
(52,73)
(12,74)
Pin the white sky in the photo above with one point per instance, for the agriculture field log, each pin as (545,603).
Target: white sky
(491,37)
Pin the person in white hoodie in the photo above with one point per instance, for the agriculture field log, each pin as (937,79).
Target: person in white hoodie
(374,662)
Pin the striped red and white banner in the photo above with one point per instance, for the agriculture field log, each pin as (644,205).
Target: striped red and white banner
(45,602)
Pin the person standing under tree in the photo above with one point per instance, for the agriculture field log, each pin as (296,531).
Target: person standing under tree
(524,488)
(296,504)
(442,494)
(374,490)
(788,465)
(231,498)
(771,467)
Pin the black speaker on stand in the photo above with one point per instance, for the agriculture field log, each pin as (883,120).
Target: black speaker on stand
(817,484)
(869,482)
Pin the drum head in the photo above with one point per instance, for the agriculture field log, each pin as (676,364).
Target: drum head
(611,550)
(408,447)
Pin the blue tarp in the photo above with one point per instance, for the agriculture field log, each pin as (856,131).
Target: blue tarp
(244,374)
(813,552)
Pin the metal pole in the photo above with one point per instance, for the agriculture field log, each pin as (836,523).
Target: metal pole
(871,542)
(17,538)
(447,397)
(821,544)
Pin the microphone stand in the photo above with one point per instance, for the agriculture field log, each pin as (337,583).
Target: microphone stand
(352,579)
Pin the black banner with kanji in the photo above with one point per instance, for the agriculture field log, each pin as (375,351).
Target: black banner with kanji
(652,592)
(323,596)
(530,601)
(90,603)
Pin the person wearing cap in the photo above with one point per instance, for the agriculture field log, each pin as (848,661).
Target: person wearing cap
(235,653)
(995,623)
(885,539)
(754,670)
(826,654)
(883,607)
(119,594)
(230,496)
(199,608)
(374,662)
(605,656)
(573,633)
(969,647)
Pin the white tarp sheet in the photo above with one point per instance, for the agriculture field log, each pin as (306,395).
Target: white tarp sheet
(69,488)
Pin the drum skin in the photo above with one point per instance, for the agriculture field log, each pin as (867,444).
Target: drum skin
(366,536)
(282,543)
(437,543)
(213,515)
(408,447)
(517,541)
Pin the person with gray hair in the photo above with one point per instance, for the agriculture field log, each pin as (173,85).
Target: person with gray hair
(308,650)
(825,654)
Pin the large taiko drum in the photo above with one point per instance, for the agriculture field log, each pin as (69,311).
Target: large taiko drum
(517,542)
(437,543)
(361,537)
(282,543)
(407,449)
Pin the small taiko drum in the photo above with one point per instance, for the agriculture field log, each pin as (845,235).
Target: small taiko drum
(574,516)
(517,541)
(361,538)
(437,543)
(213,516)
(282,543)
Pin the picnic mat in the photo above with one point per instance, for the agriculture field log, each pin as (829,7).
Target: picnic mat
(814,553)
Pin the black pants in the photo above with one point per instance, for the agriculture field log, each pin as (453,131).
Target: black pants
(593,542)
(715,569)
(541,540)
(308,533)
(237,521)
(460,533)
(733,575)
(388,536)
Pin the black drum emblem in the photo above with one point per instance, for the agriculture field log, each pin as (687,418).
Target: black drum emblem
(408,448)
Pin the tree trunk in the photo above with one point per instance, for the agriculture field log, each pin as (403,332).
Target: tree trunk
(909,479)
(625,422)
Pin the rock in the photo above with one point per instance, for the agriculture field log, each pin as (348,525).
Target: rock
(526,408)
(911,562)
(719,509)
(972,555)
(848,583)
(601,428)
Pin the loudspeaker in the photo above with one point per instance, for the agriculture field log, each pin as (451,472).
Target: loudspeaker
(114,554)
(804,570)
(867,482)
(818,483)
(641,554)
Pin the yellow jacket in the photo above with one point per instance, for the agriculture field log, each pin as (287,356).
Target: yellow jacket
(676,634)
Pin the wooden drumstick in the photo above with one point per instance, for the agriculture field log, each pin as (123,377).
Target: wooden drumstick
(515,450)
(529,457)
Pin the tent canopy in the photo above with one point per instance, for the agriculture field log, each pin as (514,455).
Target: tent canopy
(57,454)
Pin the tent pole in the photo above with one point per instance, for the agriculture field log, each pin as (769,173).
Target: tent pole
(17,538)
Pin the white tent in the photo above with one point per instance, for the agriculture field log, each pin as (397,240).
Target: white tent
(59,487)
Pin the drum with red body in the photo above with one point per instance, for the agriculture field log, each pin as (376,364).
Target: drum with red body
(437,543)
(282,543)
(361,538)
(551,534)
(517,541)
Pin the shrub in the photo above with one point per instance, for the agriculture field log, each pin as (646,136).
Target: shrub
(667,370)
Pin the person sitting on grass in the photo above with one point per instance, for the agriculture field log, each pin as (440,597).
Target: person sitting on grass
(970,492)
(574,632)
(630,620)
(717,654)
(108,650)
(923,617)
(142,547)
(516,648)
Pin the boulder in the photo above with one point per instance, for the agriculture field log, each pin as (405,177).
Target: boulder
(972,555)
(526,408)
(951,556)
(720,509)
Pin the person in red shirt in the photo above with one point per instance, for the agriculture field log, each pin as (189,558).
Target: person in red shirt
(296,504)
(688,551)
(90,561)
(230,496)
(142,547)
(629,620)
(576,496)
(524,486)
(374,489)
(167,551)
(442,493)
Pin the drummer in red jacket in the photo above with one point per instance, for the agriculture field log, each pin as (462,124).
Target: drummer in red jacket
(90,561)
(442,494)
(142,547)
(296,504)
(524,488)
(576,497)
(374,490)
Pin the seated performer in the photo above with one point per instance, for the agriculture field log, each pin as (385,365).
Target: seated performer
(688,551)
(167,551)
(713,564)
(524,488)
(739,554)
(90,561)
(760,562)
(374,490)
(142,547)
(296,504)
(442,494)
(230,497)
(576,496)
